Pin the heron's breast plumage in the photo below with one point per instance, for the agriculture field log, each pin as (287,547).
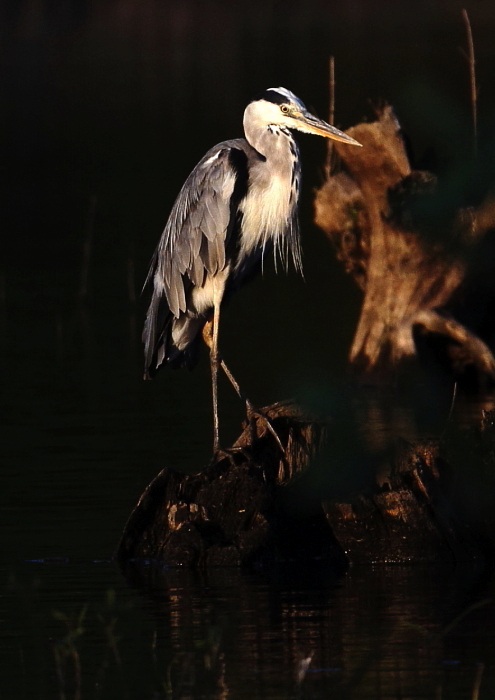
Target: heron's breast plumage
(266,211)
(269,206)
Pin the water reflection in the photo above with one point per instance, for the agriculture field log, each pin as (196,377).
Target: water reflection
(386,632)
(383,417)
(375,633)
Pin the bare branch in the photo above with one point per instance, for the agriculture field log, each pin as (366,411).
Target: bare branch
(331,111)
(472,75)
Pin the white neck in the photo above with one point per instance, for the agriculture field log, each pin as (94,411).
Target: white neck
(268,209)
(261,124)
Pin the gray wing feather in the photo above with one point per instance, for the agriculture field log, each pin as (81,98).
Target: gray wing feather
(197,271)
(194,238)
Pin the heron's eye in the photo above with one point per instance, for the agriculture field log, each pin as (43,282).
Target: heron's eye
(284,109)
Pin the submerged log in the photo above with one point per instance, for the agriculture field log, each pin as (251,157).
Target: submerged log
(251,507)
(408,272)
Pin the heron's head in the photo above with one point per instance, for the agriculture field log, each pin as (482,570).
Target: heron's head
(280,107)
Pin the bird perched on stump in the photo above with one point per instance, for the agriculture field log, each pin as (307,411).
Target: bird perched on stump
(239,202)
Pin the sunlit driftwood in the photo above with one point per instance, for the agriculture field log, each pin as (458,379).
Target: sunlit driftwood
(407,276)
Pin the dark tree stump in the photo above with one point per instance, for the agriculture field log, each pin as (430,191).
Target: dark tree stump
(408,517)
(238,510)
(254,507)
(408,272)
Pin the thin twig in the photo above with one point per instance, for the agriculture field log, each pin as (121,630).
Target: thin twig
(472,75)
(59,671)
(452,403)
(480,667)
(454,394)
(302,667)
(331,110)
(331,86)
(463,614)
(77,674)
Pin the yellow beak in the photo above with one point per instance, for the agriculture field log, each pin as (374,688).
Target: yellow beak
(310,124)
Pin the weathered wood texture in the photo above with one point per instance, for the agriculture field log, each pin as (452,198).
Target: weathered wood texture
(249,508)
(407,277)
(408,517)
(237,510)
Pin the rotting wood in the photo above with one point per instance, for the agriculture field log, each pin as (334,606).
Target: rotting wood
(408,517)
(408,278)
(252,507)
(235,511)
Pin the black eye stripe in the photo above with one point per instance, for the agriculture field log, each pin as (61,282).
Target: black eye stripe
(272,96)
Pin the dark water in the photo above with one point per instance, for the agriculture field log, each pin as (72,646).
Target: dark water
(106,106)
(375,633)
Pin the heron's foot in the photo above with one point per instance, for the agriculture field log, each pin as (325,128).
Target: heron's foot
(253,412)
(231,453)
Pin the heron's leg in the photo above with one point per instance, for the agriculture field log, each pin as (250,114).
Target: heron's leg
(214,360)
(250,409)
(209,338)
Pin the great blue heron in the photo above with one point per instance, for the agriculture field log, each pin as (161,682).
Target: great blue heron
(240,200)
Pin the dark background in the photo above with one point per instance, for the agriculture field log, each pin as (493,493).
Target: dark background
(105,109)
